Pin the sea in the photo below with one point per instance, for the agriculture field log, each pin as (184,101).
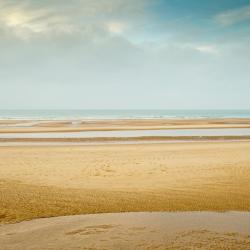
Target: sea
(95,114)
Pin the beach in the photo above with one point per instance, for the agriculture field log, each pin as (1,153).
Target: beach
(124,125)
(44,181)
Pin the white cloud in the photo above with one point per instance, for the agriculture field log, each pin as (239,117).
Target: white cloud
(116,27)
(30,17)
(207,49)
(26,21)
(231,17)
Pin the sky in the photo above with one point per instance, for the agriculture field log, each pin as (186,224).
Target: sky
(125,54)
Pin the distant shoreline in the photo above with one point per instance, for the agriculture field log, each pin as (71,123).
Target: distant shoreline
(32,126)
(114,114)
(121,131)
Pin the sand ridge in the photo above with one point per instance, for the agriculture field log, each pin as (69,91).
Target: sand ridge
(45,181)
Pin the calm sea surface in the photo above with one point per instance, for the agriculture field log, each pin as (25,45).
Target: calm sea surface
(121,114)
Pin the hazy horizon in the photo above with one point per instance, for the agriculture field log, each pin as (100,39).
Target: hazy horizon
(72,114)
(125,54)
(124,109)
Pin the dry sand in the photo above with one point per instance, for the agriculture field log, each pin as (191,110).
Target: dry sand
(46,181)
(198,230)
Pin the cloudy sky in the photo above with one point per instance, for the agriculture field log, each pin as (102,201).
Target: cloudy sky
(119,54)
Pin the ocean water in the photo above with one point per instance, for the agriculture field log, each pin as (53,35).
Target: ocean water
(121,114)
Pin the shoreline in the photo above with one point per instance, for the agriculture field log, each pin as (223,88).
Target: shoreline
(32,126)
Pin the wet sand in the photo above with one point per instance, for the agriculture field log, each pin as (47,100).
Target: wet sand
(47,181)
(19,126)
(197,230)
(122,131)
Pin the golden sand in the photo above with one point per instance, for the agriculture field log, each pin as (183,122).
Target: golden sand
(45,181)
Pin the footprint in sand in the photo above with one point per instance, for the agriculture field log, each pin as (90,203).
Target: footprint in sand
(91,230)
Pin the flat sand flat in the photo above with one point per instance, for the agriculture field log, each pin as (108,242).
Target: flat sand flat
(187,230)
